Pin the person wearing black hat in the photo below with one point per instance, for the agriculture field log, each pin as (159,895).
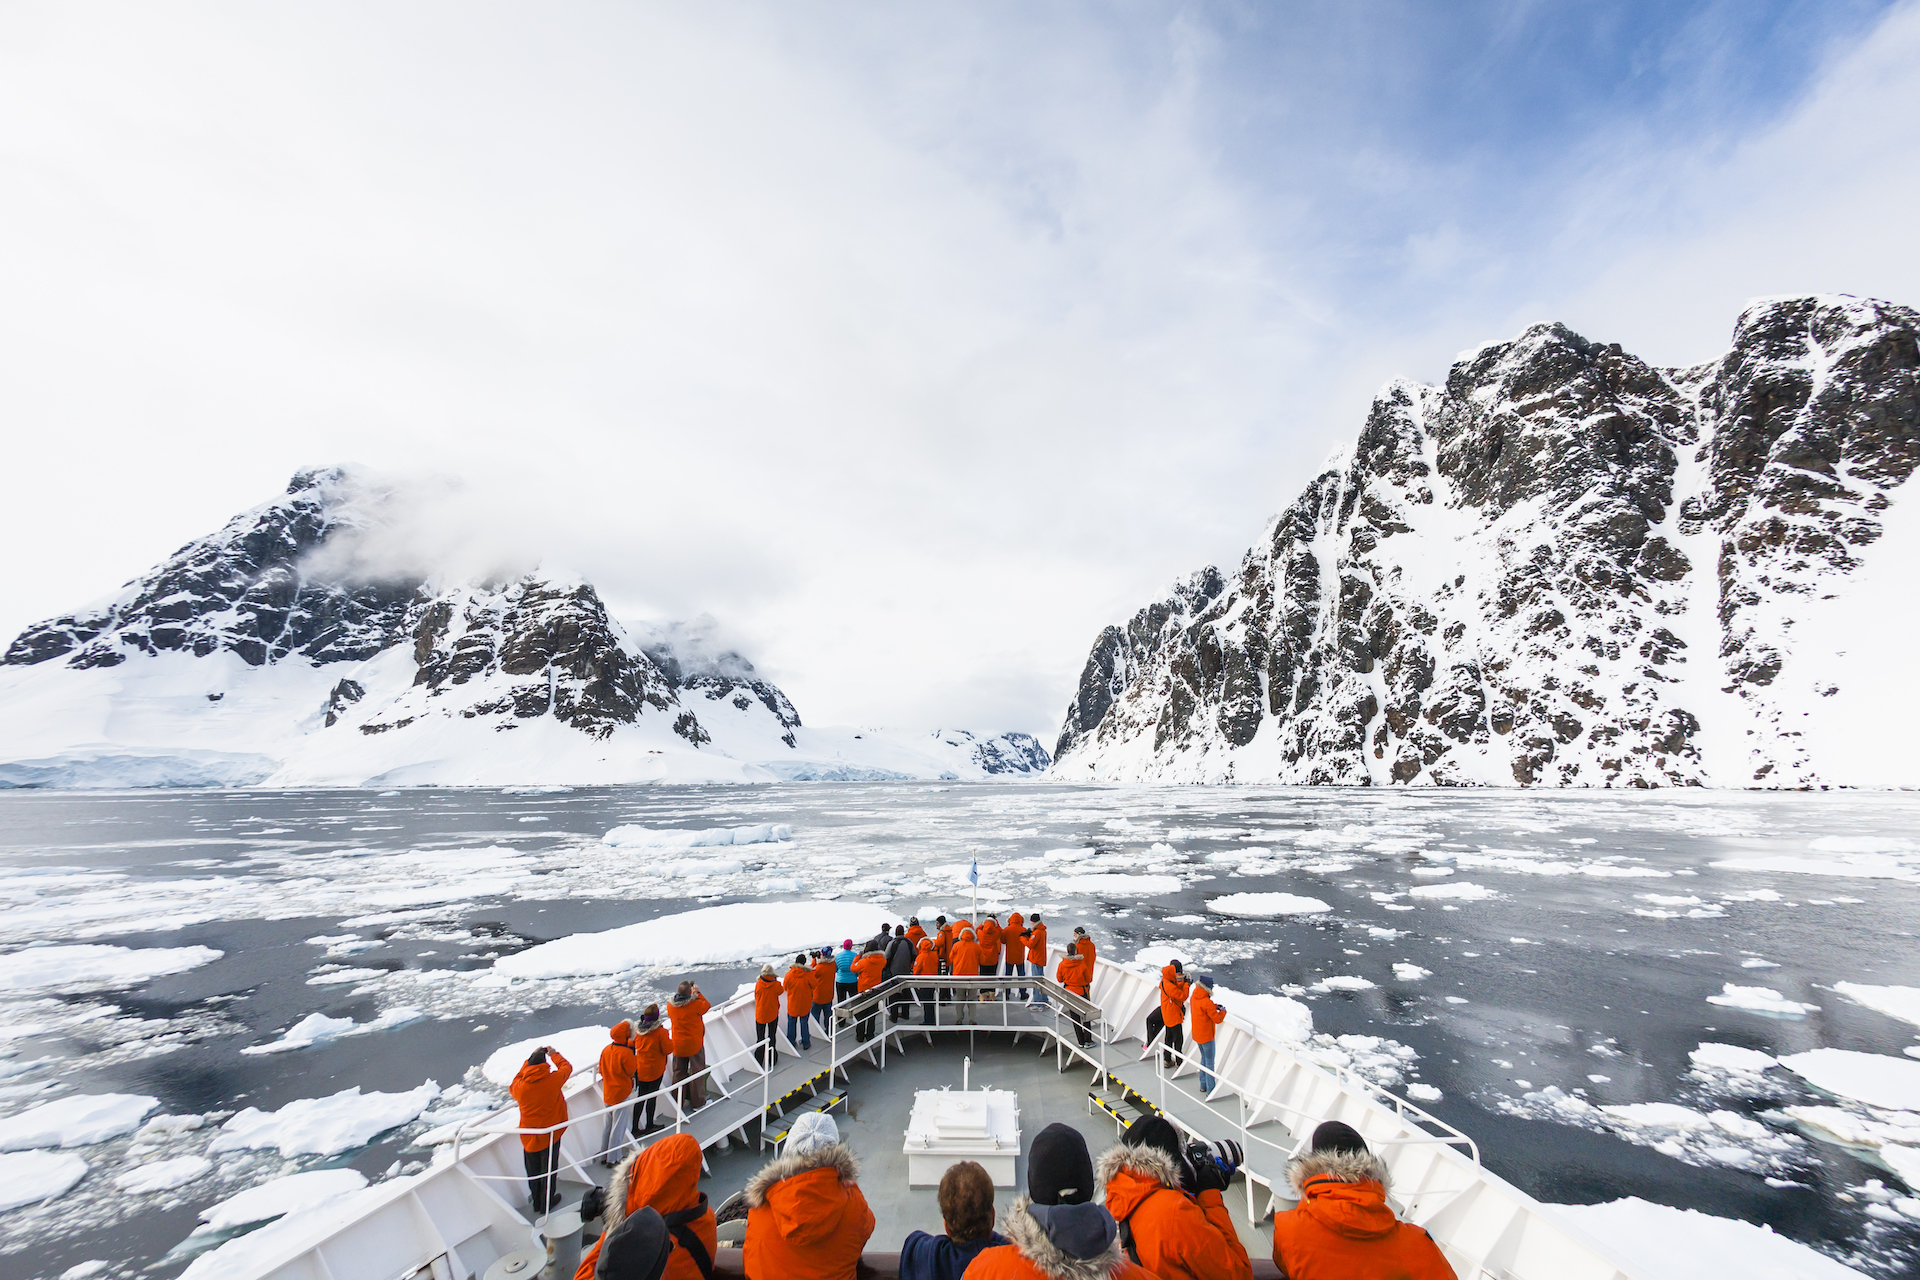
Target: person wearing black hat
(1167,1202)
(1342,1226)
(637,1249)
(1057,1231)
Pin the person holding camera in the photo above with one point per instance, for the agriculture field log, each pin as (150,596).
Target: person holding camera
(1167,1201)
(539,1088)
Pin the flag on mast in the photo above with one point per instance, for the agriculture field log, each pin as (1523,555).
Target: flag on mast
(973,878)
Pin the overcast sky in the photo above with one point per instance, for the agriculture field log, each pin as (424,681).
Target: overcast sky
(914,343)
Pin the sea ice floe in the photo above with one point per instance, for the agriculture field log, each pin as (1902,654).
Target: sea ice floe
(76,1121)
(727,934)
(1424,1092)
(1656,1242)
(1464,890)
(30,1176)
(162,1175)
(636,837)
(1343,982)
(249,1255)
(1762,1000)
(89,965)
(1712,1138)
(1754,962)
(1109,885)
(1410,972)
(1731,1059)
(1261,906)
(1877,1079)
(318,1028)
(323,1126)
(280,1196)
(1896,1002)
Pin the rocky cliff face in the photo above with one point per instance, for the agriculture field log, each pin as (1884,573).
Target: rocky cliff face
(1559,568)
(505,653)
(246,590)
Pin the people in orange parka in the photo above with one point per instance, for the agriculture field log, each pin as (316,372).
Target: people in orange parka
(1058,1230)
(806,1216)
(964,962)
(1206,1017)
(1013,946)
(1075,973)
(1084,945)
(617,1083)
(823,968)
(1037,954)
(988,936)
(1173,1009)
(687,1010)
(1175,1233)
(798,984)
(651,1048)
(666,1178)
(538,1087)
(915,933)
(926,965)
(1342,1229)
(870,965)
(766,1017)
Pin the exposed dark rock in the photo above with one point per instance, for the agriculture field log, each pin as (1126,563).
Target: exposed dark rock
(1494,581)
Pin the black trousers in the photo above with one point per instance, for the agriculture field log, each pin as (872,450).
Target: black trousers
(929,1012)
(1174,1040)
(646,1105)
(765,1032)
(543,1177)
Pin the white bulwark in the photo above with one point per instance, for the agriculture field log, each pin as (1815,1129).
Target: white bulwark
(974,1124)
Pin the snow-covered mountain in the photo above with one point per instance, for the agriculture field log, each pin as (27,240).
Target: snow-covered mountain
(1564,567)
(261,654)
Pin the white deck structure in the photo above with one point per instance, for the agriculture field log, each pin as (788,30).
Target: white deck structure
(470,1208)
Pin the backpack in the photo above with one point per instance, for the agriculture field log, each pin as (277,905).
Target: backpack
(684,1237)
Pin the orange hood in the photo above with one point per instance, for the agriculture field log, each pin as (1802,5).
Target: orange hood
(622,1032)
(804,1193)
(666,1175)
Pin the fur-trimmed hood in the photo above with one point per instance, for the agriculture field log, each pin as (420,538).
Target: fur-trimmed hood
(1346,1166)
(839,1156)
(804,1200)
(669,1176)
(1026,1234)
(1147,1162)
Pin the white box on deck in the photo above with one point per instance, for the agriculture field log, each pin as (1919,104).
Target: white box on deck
(947,1127)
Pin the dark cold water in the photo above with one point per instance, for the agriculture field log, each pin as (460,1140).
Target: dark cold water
(1570,943)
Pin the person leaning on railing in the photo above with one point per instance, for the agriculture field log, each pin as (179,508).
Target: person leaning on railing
(688,1012)
(870,967)
(900,954)
(1013,943)
(1075,973)
(539,1088)
(964,959)
(1206,1017)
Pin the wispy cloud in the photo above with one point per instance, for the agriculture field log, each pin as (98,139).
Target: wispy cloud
(913,344)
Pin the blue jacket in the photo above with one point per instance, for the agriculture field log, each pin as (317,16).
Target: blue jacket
(843,967)
(925,1257)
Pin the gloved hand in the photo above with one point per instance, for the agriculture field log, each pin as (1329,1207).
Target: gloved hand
(593,1204)
(1210,1166)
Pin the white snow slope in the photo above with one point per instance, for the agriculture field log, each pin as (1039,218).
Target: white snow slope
(238,662)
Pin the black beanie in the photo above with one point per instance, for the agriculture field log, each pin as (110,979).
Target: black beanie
(637,1249)
(537,1057)
(1335,1136)
(1154,1131)
(1059,1170)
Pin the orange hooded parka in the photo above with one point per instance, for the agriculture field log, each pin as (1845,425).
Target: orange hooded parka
(806,1217)
(665,1177)
(1178,1236)
(1342,1228)
(539,1088)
